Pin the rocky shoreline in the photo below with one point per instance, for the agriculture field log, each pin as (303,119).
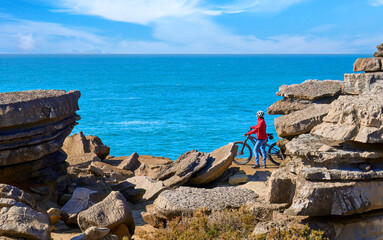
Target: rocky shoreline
(56,186)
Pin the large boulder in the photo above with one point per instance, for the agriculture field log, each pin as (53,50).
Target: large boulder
(336,198)
(287,106)
(83,149)
(218,162)
(311,89)
(183,201)
(110,213)
(81,200)
(354,118)
(379,53)
(19,216)
(301,121)
(34,125)
(183,168)
(368,65)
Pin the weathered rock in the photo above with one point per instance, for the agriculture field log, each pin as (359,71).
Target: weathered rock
(130,163)
(83,150)
(300,121)
(122,231)
(33,126)
(11,192)
(353,174)
(336,198)
(281,186)
(81,200)
(183,168)
(356,118)
(24,222)
(287,106)
(185,200)
(319,151)
(152,188)
(113,174)
(368,65)
(110,213)
(311,89)
(218,162)
(358,83)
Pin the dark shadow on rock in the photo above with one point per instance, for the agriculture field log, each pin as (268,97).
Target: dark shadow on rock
(260,176)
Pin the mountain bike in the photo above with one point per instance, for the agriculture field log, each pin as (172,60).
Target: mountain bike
(244,152)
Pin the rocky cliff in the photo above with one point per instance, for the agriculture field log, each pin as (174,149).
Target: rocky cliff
(334,152)
(33,127)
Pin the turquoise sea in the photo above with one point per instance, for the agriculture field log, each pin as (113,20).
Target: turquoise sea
(165,105)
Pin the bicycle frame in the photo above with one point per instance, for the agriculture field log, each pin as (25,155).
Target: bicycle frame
(253,139)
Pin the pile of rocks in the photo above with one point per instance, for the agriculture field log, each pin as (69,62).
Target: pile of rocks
(33,127)
(335,156)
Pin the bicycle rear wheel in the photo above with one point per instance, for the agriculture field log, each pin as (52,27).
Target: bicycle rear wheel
(244,153)
(275,155)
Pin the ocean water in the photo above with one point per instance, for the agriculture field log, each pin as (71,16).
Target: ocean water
(165,105)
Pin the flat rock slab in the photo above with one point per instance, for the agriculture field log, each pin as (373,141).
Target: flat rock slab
(11,192)
(152,188)
(183,168)
(112,173)
(288,105)
(324,174)
(17,108)
(335,198)
(311,89)
(301,121)
(218,162)
(320,151)
(110,213)
(354,118)
(185,200)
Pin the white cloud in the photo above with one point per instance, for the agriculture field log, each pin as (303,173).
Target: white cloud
(376,3)
(25,42)
(132,11)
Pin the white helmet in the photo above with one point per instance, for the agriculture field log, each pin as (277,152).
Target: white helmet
(260,114)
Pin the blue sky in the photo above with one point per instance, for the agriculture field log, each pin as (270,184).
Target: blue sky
(191,26)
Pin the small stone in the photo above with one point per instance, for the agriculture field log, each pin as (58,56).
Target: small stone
(238,178)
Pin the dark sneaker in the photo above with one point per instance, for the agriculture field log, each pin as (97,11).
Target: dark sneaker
(263,166)
(255,166)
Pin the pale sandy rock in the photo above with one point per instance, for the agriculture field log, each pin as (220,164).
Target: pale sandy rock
(300,121)
(351,174)
(335,198)
(130,163)
(183,168)
(81,200)
(354,118)
(151,170)
(152,188)
(24,222)
(110,213)
(358,83)
(185,200)
(368,65)
(379,53)
(218,162)
(238,178)
(311,89)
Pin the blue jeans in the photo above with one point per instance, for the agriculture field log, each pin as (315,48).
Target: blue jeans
(260,144)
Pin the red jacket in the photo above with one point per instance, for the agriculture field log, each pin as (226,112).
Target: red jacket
(260,129)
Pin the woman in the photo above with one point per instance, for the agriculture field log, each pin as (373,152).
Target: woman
(260,130)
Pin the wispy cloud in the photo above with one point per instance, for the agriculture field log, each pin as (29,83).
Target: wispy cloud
(376,3)
(259,5)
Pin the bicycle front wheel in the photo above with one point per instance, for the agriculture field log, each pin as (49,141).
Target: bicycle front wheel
(275,154)
(244,153)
